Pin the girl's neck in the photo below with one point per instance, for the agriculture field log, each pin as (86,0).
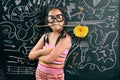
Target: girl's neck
(55,34)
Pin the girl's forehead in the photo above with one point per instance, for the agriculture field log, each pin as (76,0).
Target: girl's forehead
(54,11)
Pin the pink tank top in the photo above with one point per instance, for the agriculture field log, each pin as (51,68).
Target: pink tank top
(56,67)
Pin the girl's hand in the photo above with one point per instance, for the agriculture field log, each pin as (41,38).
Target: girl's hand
(47,50)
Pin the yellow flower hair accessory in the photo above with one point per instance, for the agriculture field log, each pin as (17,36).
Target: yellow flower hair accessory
(80,31)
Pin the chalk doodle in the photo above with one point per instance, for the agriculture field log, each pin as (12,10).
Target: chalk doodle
(98,51)
(19,18)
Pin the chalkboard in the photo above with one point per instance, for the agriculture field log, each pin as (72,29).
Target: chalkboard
(95,57)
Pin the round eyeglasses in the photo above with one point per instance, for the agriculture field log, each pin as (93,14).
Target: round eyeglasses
(58,18)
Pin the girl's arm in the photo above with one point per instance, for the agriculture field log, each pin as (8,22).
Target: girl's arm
(38,50)
(62,45)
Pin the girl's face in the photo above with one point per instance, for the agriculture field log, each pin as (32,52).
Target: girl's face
(55,20)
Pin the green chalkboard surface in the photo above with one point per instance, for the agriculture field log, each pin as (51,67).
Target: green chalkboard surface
(95,57)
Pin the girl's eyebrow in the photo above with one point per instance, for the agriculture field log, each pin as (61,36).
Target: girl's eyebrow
(55,15)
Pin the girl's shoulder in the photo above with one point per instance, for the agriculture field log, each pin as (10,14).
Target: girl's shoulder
(68,36)
(46,37)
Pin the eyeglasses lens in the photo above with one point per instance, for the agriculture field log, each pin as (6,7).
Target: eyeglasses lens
(59,18)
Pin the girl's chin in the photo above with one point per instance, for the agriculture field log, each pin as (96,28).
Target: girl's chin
(58,29)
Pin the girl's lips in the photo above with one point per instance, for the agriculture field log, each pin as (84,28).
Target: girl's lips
(57,27)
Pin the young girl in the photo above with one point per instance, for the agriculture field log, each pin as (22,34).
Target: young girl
(52,48)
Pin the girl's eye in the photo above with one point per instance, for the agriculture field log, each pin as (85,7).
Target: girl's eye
(58,18)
